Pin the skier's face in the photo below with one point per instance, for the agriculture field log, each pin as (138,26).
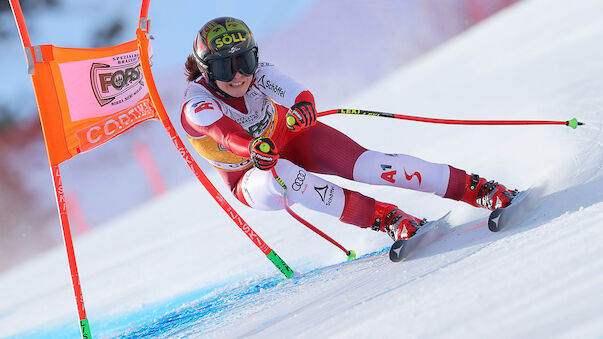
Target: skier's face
(237,87)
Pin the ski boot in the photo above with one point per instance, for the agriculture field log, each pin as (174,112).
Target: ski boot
(487,194)
(398,225)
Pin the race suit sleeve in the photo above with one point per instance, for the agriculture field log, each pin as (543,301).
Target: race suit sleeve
(280,87)
(203,116)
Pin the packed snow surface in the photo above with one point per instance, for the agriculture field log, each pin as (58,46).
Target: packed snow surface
(179,267)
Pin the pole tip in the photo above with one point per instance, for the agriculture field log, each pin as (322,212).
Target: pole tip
(574,123)
(351,255)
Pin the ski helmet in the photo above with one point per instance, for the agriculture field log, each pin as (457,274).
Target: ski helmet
(223,47)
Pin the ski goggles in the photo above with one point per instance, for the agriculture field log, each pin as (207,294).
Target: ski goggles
(225,69)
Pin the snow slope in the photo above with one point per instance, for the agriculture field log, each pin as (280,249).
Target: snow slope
(178,267)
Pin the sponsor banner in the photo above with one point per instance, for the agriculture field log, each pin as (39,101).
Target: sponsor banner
(88,96)
(106,129)
(103,86)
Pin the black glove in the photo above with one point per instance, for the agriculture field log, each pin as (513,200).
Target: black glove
(301,115)
(264,153)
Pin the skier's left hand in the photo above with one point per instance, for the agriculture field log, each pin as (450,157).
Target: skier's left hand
(301,115)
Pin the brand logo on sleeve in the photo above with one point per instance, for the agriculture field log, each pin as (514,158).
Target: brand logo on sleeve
(271,86)
(202,105)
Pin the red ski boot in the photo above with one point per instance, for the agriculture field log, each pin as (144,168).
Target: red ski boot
(397,224)
(487,194)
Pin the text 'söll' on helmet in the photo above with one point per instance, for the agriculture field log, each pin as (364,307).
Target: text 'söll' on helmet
(222,38)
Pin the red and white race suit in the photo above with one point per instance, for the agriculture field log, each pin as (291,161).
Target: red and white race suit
(221,129)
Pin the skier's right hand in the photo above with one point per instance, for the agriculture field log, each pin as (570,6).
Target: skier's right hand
(264,153)
(301,115)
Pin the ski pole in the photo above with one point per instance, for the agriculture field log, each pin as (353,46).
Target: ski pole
(573,123)
(350,253)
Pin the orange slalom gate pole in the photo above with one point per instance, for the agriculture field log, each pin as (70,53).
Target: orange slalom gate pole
(75,277)
(20,20)
(143,48)
(60,197)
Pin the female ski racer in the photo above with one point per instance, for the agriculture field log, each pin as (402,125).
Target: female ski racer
(246,118)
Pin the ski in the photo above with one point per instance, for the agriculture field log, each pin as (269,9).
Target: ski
(426,234)
(502,217)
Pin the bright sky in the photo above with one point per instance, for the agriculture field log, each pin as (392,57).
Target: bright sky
(75,23)
(261,16)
